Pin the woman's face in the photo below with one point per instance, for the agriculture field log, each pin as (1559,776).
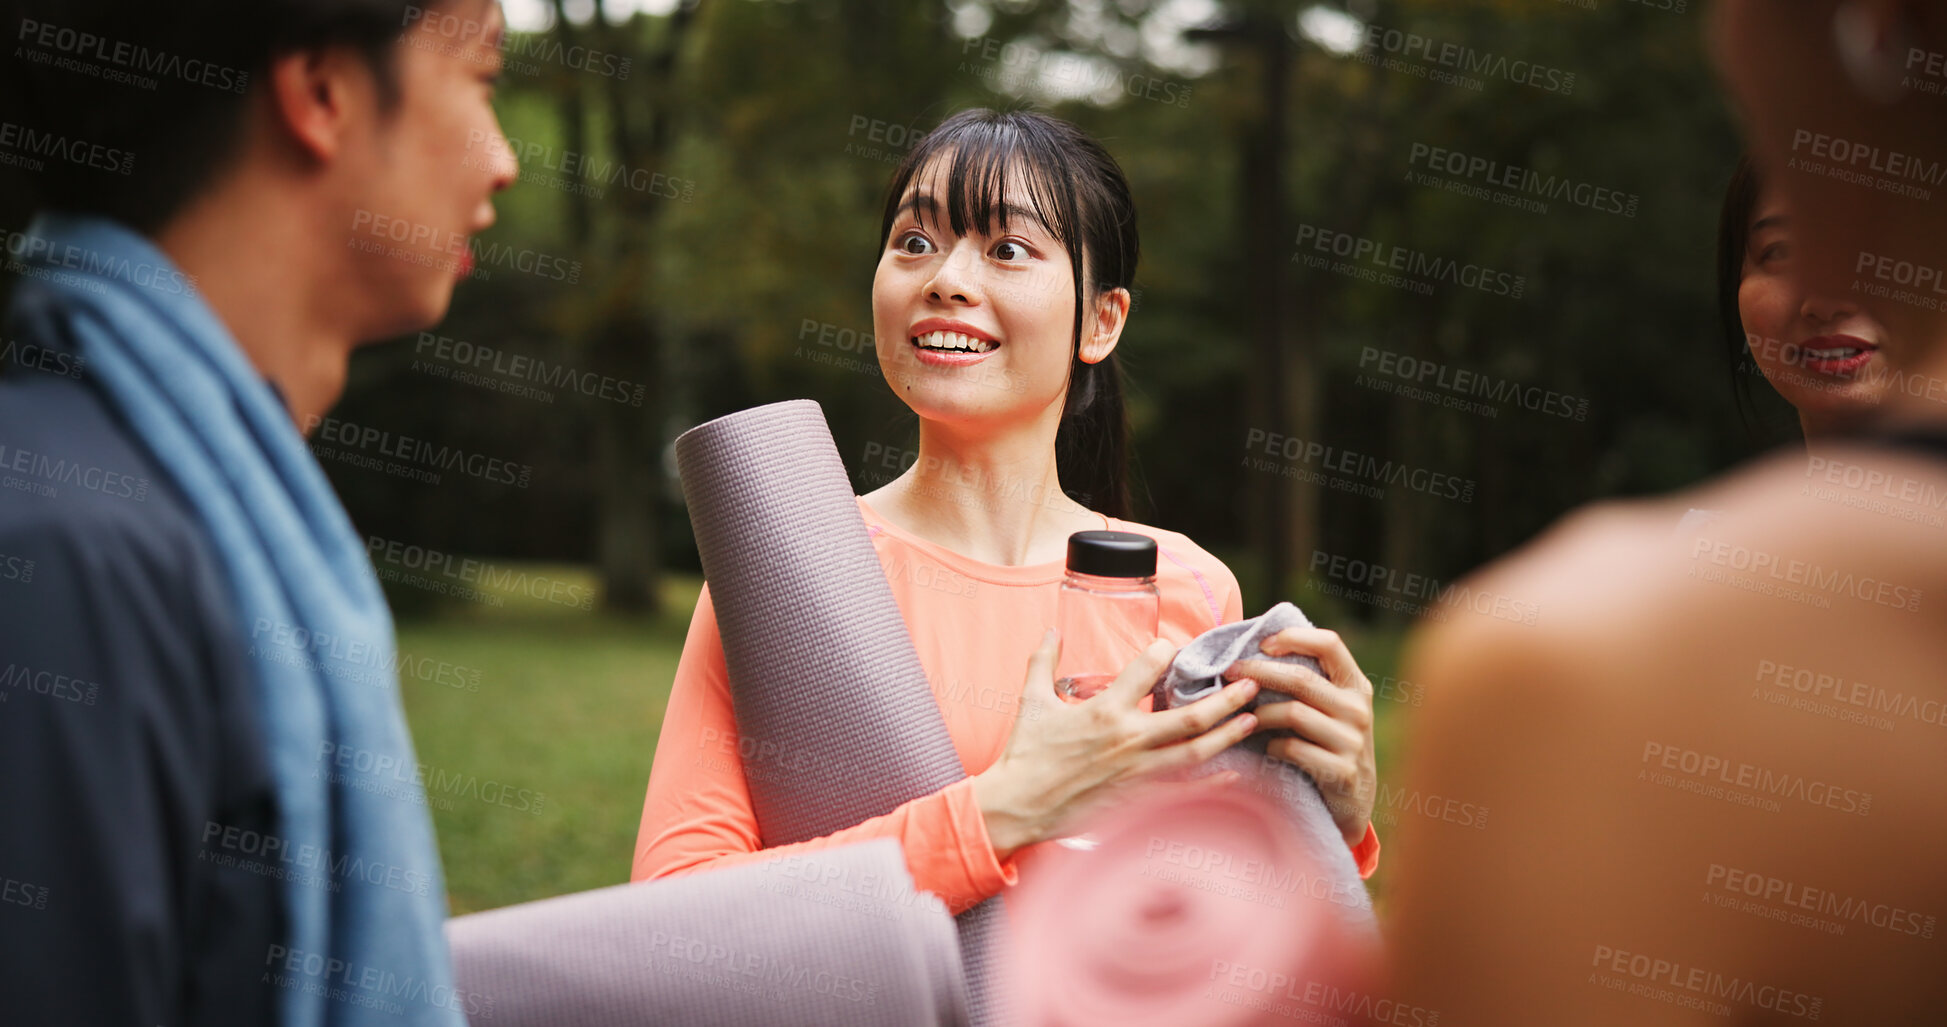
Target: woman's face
(1822,353)
(976,327)
(1782,62)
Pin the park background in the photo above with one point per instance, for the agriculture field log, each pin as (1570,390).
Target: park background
(695,232)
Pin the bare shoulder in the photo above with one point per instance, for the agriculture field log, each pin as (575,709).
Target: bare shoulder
(1781,545)
(1560,595)
(1755,698)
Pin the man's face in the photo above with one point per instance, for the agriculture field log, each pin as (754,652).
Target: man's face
(420,184)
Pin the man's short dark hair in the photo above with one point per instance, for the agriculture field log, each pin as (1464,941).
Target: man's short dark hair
(128,108)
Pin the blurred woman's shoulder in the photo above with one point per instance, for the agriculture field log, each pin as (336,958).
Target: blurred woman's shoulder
(1779,547)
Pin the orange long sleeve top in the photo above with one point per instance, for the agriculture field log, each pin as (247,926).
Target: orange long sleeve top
(974,626)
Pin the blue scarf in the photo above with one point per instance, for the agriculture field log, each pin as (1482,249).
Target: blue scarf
(364,897)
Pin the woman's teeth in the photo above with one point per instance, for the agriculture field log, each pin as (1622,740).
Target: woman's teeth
(1834,353)
(952,341)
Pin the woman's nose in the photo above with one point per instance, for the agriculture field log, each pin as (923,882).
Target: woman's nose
(955,279)
(1827,309)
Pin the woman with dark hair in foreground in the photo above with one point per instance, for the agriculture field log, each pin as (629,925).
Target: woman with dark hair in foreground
(1715,764)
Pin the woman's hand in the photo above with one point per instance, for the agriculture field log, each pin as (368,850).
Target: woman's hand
(1331,714)
(1063,759)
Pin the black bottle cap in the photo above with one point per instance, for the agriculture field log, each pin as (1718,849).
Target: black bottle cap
(1112,554)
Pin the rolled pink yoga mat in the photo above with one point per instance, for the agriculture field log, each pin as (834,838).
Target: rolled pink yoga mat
(837,720)
(1205,909)
(837,938)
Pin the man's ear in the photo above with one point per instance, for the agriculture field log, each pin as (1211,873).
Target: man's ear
(1103,330)
(318,96)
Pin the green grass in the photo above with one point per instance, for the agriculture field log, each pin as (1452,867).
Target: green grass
(568,709)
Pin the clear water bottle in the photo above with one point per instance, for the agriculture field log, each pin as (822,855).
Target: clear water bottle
(1108,609)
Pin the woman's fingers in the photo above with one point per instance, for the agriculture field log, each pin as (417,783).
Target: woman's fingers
(1201,748)
(1348,798)
(1324,646)
(1170,726)
(1310,688)
(1313,725)
(1038,696)
(1139,675)
(1293,679)
(1041,665)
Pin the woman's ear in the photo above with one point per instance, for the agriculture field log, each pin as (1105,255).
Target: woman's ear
(1101,332)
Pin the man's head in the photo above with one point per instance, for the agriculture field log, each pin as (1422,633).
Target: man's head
(367,123)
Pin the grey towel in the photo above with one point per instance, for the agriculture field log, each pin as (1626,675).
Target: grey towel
(1197,671)
(837,719)
(836,937)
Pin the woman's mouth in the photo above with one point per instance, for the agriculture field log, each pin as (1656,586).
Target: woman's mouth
(945,348)
(1837,355)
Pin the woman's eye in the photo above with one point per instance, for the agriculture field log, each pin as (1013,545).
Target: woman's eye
(913,242)
(1008,249)
(1775,251)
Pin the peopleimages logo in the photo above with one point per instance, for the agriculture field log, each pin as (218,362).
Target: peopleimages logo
(391,557)
(427,238)
(1748,778)
(53,145)
(1782,678)
(1901,272)
(163,277)
(1461,381)
(1427,50)
(27,355)
(1709,988)
(419,452)
(514,369)
(41,40)
(533,46)
(1354,465)
(1426,267)
(1412,593)
(581,169)
(1822,901)
(42,474)
(1870,158)
(1519,181)
(1767,568)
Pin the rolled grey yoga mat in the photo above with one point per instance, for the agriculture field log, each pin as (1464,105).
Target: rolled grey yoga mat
(838,937)
(1197,671)
(837,721)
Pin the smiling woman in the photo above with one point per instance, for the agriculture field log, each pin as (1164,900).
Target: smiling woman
(1017,228)
(1822,353)
(1008,247)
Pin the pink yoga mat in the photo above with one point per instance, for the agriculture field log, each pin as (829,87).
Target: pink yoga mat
(840,721)
(1195,908)
(837,938)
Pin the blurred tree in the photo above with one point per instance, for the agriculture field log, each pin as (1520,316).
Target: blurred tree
(622,333)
